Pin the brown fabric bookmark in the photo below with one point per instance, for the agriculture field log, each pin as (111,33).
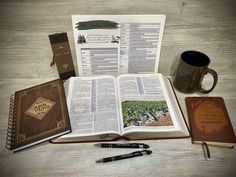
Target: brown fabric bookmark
(62,55)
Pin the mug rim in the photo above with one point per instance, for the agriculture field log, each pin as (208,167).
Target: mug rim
(190,56)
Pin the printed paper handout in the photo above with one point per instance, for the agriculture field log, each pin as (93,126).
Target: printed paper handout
(117,44)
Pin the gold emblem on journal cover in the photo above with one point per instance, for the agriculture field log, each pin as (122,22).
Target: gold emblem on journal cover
(40,108)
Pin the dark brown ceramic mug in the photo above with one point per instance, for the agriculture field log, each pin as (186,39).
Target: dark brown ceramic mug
(192,67)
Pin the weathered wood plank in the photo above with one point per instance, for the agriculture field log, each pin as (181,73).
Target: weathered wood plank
(25,55)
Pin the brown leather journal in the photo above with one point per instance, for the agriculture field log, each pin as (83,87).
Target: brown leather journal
(62,55)
(209,121)
(37,114)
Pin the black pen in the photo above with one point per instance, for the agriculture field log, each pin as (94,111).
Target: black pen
(123,145)
(124,156)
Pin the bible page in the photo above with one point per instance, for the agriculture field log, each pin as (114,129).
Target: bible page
(144,104)
(117,44)
(93,106)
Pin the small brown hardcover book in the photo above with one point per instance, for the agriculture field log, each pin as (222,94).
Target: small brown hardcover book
(209,121)
(37,114)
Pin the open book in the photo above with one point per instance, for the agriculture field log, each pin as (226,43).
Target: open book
(134,106)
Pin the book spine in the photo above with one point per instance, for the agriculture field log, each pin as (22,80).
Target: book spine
(11,129)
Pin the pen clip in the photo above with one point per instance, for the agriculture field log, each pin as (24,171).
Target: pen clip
(145,146)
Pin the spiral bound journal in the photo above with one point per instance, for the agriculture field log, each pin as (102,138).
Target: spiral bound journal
(37,114)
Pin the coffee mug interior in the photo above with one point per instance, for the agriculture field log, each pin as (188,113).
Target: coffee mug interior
(195,58)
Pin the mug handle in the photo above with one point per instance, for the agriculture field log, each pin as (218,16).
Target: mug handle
(215,77)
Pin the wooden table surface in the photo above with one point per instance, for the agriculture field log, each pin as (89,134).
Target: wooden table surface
(25,56)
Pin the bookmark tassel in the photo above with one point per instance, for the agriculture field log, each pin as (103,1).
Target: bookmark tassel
(53,61)
(207,149)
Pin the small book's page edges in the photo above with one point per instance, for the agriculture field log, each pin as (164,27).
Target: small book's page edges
(181,111)
(216,144)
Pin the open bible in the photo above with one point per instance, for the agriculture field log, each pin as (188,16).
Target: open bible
(133,106)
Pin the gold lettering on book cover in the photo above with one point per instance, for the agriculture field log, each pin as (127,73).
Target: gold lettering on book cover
(209,117)
(40,108)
